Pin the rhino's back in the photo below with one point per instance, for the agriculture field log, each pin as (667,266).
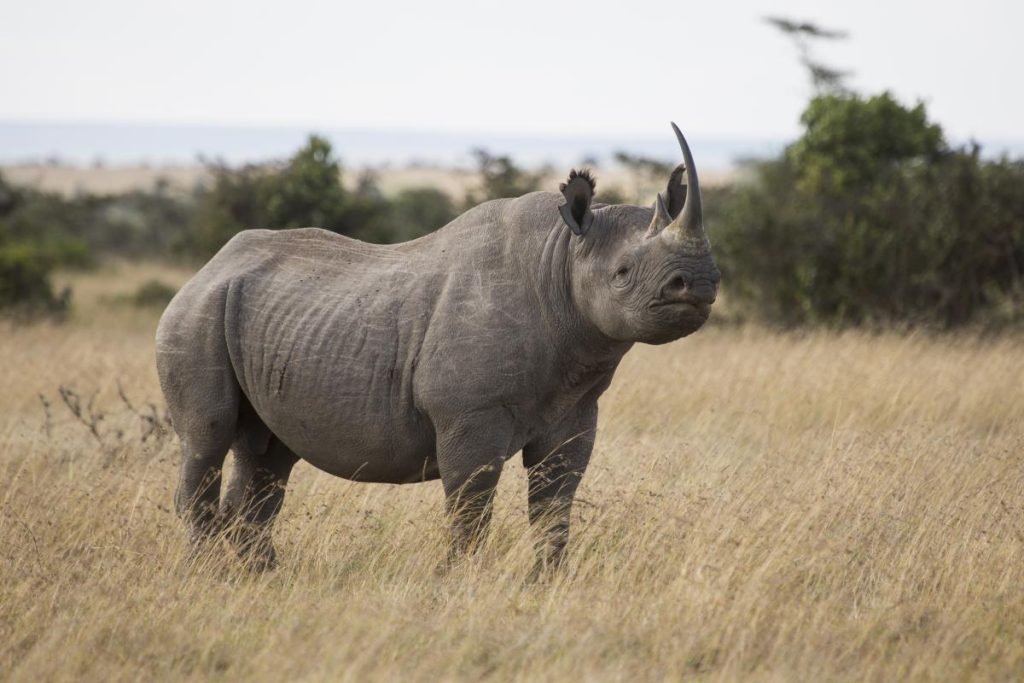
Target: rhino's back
(320,332)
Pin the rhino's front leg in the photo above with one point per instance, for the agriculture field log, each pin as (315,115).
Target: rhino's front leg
(471,450)
(555,465)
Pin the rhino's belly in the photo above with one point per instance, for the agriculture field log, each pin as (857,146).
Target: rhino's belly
(391,452)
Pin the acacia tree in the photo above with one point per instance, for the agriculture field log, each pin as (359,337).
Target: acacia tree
(824,79)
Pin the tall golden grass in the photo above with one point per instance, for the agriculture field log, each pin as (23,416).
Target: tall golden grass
(760,506)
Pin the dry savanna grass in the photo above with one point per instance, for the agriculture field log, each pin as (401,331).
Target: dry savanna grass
(760,506)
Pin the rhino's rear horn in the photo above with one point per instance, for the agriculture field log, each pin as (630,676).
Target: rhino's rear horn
(669,203)
(578,191)
(675,192)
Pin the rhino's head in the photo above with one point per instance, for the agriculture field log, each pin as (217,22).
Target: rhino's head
(640,274)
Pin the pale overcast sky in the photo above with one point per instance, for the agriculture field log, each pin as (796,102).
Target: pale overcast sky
(602,66)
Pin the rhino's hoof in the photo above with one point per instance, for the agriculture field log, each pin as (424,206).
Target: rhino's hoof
(259,561)
(201,550)
(261,564)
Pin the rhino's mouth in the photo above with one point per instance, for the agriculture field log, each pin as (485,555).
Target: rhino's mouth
(670,320)
(681,317)
(683,307)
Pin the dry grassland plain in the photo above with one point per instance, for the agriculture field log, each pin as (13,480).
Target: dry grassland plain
(760,506)
(70,180)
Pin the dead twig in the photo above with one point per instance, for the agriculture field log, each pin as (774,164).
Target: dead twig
(84,414)
(48,422)
(152,425)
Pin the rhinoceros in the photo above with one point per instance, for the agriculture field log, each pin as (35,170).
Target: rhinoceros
(438,358)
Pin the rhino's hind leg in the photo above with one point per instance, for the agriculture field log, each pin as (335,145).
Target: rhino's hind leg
(197,497)
(252,437)
(205,415)
(254,498)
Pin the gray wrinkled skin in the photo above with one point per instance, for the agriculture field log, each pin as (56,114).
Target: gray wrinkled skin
(436,358)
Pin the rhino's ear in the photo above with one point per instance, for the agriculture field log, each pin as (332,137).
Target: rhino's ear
(675,193)
(578,190)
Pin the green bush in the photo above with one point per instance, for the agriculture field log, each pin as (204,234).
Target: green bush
(233,203)
(25,286)
(153,294)
(869,218)
(73,230)
(27,259)
(850,142)
(500,177)
(410,214)
(306,191)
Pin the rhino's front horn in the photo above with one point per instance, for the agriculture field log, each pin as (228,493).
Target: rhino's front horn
(687,228)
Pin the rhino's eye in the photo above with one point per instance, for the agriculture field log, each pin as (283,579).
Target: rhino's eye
(621,277)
